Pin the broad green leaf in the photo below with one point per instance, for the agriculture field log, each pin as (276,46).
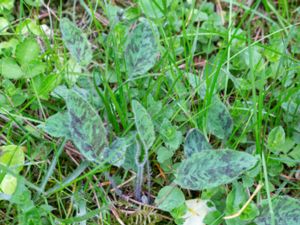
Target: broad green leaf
(274,167)
(195,142)
(211,168)
(33,68)
(164,154)
(10,69)
(44,84)
(12,156)
(141,49)
(76,41)
(276,138)
(86,127)
(286,212)
(27,51)
(219,121)
(115,154)
(143,124)
(57,125)
(169,198)
(8,184)
(153,8)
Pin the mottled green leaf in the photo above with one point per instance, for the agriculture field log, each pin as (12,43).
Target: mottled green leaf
(10,69)
(27,51)
(286,212)
(169,198)
(129,163)
(195,142)
(76,41)
(115,154)
(219,121)
(143,124)
(141,49)
(86,127)
(57,125)
(276,138)
(211,168)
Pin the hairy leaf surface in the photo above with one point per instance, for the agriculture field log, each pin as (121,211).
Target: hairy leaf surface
(211,168)
(86,127)
(195,142)
(219,121)
(76,41)
(143,124)
(141,49)
(115,154)
(286,212)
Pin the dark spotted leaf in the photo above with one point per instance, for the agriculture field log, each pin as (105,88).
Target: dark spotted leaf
(141,49)
(195,142)
(86,127)
(286,212)
(211,168)
(58,125)
(76,41)
(219,121)
(143,124)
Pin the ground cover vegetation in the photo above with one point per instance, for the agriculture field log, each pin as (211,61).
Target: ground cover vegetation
(149,112)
